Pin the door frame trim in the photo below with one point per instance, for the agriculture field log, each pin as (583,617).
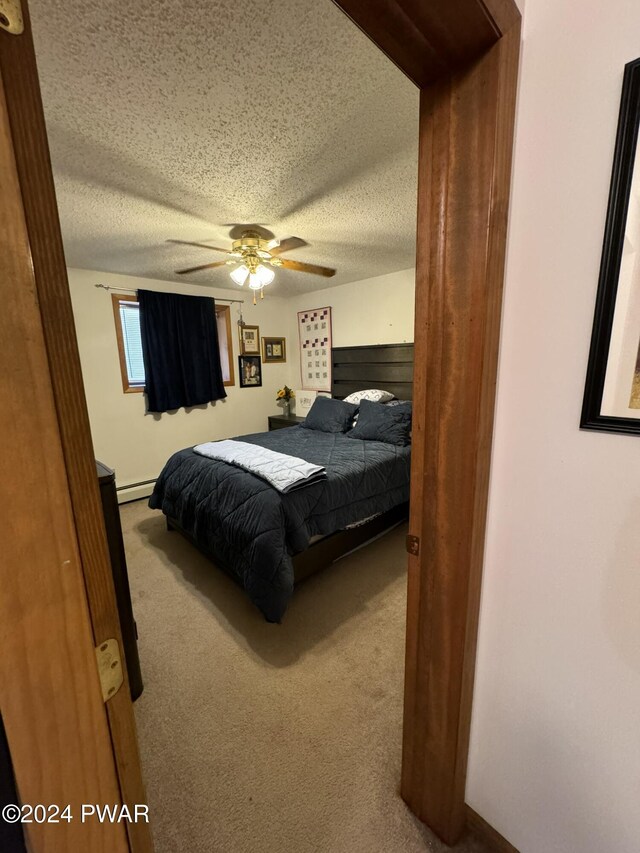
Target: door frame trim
(19,74)
(463,56)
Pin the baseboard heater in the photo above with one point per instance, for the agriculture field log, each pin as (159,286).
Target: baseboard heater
(136,485)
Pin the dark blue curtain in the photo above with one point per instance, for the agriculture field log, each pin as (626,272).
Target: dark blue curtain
(180,350)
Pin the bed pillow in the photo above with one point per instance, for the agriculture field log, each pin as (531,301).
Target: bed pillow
(376,422)
(329,415)
(375,395)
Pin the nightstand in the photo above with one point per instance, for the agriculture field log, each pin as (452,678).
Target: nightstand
(283,421)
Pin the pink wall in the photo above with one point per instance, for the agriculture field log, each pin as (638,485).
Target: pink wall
(555,753)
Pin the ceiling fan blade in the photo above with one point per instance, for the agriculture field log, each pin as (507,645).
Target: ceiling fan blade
(312,268)
(203,267)
(200,245)
(287,245)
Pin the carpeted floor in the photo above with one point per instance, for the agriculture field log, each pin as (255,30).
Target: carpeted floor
(259,737)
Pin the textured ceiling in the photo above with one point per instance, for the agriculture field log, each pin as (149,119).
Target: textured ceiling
(174,120)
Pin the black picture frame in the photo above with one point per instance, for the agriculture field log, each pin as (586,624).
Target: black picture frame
(614,235)
(250,369)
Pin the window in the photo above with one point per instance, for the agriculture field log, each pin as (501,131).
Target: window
(127,317)
(223,322)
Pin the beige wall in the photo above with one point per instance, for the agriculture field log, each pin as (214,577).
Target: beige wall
(555,751)
(136,444)
(376,310)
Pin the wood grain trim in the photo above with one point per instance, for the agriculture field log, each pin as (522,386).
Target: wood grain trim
(429,41)
(466,135)
(52,708)
(385,366)
(503,14)
(372,353)
(505,58)
(124,375)
(491,837)
(26,121)
(226,310)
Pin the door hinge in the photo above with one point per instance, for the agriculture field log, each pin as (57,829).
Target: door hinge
(413,545)
(11,18)
(109,668)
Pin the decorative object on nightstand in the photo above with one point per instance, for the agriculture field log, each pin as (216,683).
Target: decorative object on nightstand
(284,397)
(304,401)
(283,421)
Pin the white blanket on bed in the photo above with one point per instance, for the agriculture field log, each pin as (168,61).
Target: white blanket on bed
(285,473)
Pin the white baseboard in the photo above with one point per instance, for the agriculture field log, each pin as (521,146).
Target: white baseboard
(134,493)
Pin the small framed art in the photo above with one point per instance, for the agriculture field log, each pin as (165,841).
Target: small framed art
(250,371)
(274,350)
(249,340)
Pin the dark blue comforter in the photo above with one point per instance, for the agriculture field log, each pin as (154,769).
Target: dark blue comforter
(253,530)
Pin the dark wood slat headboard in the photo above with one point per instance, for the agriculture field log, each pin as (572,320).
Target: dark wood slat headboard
(386,366)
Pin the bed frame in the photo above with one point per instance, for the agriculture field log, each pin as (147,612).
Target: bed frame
(387,366)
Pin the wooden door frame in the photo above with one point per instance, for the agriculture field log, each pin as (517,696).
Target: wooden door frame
(19,77)
(463,55)
(50,697)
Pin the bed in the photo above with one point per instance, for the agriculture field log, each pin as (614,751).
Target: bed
(269,541)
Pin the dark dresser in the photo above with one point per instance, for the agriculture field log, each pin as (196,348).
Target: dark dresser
(283,421)
(108,495)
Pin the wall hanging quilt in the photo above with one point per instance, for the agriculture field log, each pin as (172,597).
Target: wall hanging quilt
(314,328)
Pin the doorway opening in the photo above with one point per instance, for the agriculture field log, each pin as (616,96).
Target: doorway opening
(481,101)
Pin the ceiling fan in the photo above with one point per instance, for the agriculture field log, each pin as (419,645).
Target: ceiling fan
(251,257)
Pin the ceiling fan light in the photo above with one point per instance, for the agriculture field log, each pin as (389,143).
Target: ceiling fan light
(239,275)
(265,275)
(254,282)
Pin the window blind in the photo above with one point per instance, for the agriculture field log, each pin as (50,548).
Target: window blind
(130,321)
(221,323)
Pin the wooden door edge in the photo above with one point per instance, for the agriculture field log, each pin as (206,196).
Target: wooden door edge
(441,661)
(26,119)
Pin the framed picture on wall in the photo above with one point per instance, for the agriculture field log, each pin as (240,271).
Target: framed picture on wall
(249,340)
(274,350)
(250,371)
(612,390)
